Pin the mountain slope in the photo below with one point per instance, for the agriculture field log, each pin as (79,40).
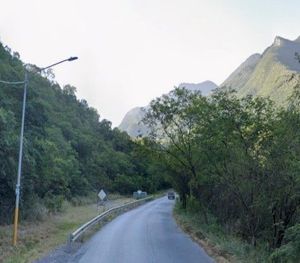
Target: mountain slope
(241,75)
(131,122)
(274,75)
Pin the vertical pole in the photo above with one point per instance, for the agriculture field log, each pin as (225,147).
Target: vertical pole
(16,219)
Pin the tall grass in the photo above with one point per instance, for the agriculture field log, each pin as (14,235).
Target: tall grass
(206,227)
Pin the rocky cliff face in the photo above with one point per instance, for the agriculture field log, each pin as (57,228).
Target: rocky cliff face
(132,124)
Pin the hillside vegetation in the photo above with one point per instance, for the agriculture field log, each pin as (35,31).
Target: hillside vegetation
(235,162)
(68,150)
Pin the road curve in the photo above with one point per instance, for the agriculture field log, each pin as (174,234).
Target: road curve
(147,234)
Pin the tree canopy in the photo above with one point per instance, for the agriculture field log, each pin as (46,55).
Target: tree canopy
(238,159)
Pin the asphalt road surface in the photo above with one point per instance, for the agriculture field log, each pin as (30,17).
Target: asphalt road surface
(143,235)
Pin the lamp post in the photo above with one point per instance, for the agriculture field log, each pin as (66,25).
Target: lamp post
(16,217)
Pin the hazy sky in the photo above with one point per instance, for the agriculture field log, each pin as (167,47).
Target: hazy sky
(131,51)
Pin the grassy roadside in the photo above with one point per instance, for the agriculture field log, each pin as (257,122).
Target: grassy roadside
(221,246)
(38,238)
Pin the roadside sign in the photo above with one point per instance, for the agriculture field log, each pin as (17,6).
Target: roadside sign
(102,195)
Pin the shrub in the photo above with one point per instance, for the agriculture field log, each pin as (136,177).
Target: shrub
(289,252)
(54,202)
(35,210)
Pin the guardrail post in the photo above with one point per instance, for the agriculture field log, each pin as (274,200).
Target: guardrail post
(69,243)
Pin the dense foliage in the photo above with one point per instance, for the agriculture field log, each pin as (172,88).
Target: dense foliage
(68,150)
(238,159)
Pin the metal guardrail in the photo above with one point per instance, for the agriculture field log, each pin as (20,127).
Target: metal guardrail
(79,231)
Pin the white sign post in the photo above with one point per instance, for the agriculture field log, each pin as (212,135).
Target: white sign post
(102,195)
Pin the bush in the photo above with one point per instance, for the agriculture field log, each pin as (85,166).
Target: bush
(193,205)
(83,200)
(36,210)
(54,202)
(125,185)
(289,252)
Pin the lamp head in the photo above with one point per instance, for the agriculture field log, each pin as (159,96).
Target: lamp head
(72,58)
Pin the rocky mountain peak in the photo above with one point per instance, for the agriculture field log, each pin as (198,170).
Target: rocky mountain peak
(279,41)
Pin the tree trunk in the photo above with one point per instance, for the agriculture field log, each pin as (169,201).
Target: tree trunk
(183,200)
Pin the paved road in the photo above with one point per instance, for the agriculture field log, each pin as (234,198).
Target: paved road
(147,234)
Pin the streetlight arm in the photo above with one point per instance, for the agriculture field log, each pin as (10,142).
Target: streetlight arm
(39,70)
(68,59)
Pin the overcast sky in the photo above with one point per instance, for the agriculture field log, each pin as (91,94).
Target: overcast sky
(131,51)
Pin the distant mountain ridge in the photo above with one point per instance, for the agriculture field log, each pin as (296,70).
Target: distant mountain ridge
(206,87)
(273,74)
(131,122)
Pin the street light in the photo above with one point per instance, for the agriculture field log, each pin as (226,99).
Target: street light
(25,82)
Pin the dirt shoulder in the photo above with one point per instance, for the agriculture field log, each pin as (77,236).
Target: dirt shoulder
(37,239)
(219,255)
